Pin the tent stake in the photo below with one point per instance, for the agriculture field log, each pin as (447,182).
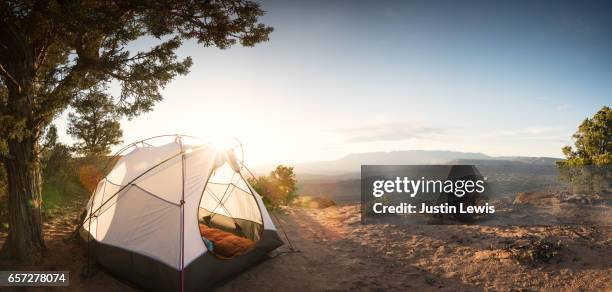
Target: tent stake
(280,224)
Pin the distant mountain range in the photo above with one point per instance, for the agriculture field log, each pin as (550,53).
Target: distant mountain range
(352,163)
(339,179)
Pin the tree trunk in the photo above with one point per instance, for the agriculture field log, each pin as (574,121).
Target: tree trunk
(25,239)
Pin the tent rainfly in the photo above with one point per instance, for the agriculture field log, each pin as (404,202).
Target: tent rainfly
(177,216)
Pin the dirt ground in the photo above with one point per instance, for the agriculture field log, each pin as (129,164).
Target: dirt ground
(338,253)
(62,255)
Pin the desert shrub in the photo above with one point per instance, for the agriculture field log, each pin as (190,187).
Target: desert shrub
(534,250)
(586,179)
(279,188)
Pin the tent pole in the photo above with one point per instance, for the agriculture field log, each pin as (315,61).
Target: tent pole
(88,245)
(222,197)
(182,214)
(280,224)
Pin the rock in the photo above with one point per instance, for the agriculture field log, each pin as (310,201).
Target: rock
(578,199)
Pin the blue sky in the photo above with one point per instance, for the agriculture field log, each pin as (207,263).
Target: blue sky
(502,78)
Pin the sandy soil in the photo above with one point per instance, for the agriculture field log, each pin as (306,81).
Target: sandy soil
(338,253)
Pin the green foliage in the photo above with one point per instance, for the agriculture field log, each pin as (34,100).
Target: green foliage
(61,178)
(586,179)
(56,54)
(263,186)
(50,138)
(68,178)
(56,160)
(59,167)
(593,144)
(278,188)
(286,183)
(53,52)
(95,124)
(587,166)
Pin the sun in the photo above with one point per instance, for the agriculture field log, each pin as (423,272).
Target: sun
(234,130)
(222,144)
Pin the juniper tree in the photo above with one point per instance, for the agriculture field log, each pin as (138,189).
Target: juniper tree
(593,141)
(94,123)
(278,188)
(587,164)
(50,51)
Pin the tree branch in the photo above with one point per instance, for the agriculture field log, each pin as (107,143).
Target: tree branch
(9,76)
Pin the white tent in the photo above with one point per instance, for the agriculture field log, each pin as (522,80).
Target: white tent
(146,215)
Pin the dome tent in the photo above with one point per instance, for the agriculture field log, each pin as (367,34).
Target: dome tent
(143,221)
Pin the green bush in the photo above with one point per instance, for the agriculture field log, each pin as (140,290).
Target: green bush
(279,188)
(586,179)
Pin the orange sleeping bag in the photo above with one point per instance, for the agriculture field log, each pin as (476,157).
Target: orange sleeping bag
(226,244)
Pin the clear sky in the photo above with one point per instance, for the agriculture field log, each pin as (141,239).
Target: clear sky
(339,77)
